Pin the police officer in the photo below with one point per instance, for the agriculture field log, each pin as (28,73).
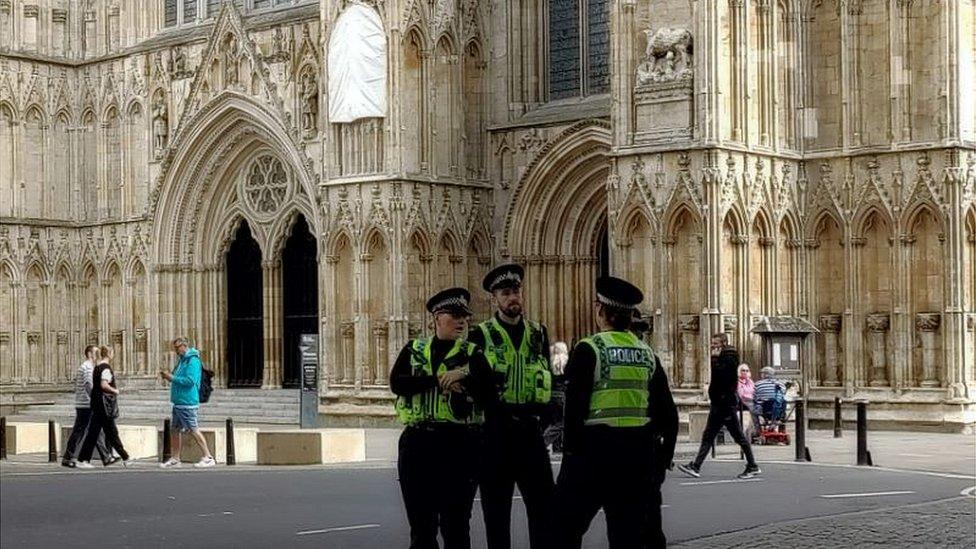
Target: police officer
(621,426)
(443,383)
(518,351)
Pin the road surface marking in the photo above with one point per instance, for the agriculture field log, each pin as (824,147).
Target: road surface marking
(874,468)
(916,455)
(337,529)
(969,492)
(727,481)
(867,494)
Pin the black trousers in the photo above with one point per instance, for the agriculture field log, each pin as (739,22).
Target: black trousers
(78,432)
(99,423)
(515,454)
(718,418)
(438,469)
(611,472)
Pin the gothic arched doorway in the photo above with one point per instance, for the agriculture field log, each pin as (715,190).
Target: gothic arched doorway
(245,311)
(557,226)
(300,295)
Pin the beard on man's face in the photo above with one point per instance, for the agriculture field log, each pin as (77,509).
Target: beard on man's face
(512,310)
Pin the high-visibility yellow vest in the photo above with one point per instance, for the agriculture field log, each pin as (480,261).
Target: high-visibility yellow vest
(624,364)
(526,369)
(432,406)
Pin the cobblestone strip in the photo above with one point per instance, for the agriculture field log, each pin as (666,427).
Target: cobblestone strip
(945,523)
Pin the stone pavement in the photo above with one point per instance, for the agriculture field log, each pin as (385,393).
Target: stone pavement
(939,452)
(946,524)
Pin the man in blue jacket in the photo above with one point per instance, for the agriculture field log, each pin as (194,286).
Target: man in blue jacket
(184,393)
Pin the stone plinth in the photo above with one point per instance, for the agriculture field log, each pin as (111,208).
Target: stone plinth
(245,445)
(311,446)
(28,437)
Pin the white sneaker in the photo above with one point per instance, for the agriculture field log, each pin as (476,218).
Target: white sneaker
(126,463)
(171,462)
(84,465)
(205,462)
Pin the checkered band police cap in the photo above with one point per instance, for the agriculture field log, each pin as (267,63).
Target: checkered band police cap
(451,300)
(618,293)
(503,276)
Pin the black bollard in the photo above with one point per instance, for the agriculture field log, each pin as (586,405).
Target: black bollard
(838,421)
(800,442)
(52,442)
(863,457)
(167,448)
(3,438)
(231,458)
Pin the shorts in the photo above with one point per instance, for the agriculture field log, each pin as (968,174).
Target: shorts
(185,419)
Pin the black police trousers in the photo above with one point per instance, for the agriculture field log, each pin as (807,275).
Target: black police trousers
(515,454)
(438,467)
(613,471)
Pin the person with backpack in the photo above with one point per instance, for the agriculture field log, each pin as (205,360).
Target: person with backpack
(104,412)
(186,380)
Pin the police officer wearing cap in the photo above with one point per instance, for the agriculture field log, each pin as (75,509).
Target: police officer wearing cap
(518,351)
(621,426)
(443,384)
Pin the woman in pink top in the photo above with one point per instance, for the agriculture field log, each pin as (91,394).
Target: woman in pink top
(746,391)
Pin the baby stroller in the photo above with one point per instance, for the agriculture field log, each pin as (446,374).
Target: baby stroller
(771,416)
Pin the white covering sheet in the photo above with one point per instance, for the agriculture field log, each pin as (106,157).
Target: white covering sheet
(357,66)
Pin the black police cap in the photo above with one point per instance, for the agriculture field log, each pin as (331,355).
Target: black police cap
(618,293)
(503,276)
(451,300)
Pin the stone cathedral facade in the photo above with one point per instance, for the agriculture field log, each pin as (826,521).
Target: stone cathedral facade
(177,167)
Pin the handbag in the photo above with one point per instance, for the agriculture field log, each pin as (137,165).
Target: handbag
(111,405)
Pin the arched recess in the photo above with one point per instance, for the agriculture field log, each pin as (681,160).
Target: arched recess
(8,148)
(63,323)
(58,196)
(8,321)
(475,103)
(89,165)
(245,310)
(233,160)
(412,109)
(732,259)
(341,256)
(35,317)
(90,304)
(418,265)
(300,296)
(639,248)
(760,252)
(926,292)
(875,288)
(556,223)
(969,290)
(787,267)
(830,270)
(34,165)
(378,292)
(443,92)
(111,198)
(114,315)
(136,160)
(138,308)
(478,260)
(683,252)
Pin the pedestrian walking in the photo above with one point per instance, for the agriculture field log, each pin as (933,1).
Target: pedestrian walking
(723,404)
(443,384)
(83,387)
(745,391)
(184,394)
(104,411)
(621,427)
(515,452)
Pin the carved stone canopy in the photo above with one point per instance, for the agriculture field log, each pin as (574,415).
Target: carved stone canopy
(830,323)
(730,323)
(689,323)
(878,322)
(928,322)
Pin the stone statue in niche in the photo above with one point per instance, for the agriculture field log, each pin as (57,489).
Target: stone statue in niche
(160,123)
(279,47)
(230,61)
(668,57)
(310,101)
(178,64)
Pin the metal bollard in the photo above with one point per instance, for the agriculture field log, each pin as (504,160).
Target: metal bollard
(838,421)
(800,442)
(863,456)
(3,438)
(52,442)
(167,447)
(231,458)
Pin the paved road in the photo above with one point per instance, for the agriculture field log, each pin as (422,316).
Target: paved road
(355,507)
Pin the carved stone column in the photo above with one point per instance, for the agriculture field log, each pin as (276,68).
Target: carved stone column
(272,324)
(689,326)
(348,332)
(927,325)
(141,346)
(878,325)
(830,325)
(381,359)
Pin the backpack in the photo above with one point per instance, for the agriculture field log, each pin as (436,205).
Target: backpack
(206,384)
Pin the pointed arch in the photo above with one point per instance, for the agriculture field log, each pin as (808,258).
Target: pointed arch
(869,214)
